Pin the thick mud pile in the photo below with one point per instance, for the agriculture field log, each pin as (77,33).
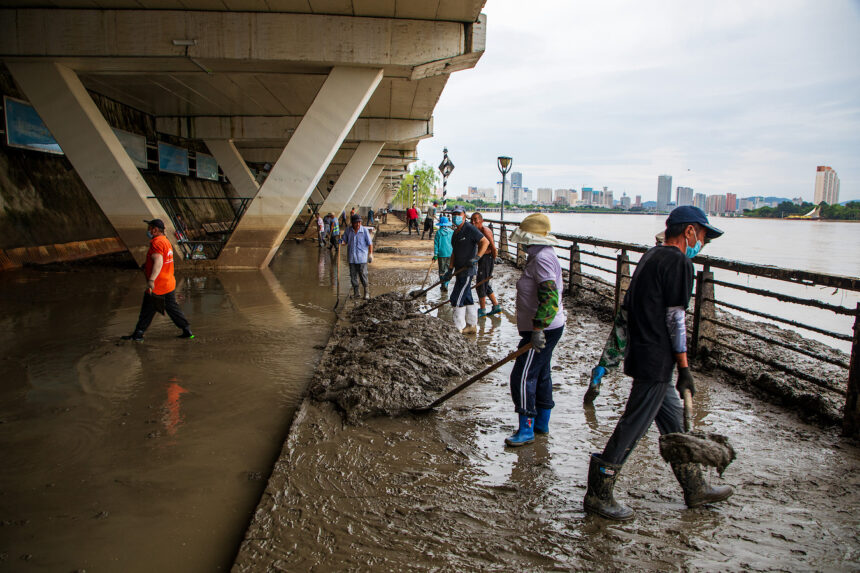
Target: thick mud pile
(389,357)
(698,448)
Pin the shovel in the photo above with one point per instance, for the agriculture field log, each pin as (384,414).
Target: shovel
(512,356)
(419,292)
(424,282)
(696,447)
(444,302)
(337,278)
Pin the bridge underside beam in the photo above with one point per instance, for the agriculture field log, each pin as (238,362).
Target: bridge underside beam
(353,174)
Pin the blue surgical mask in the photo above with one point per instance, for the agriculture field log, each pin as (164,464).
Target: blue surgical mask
(693,251)
(458,220)
(150,235)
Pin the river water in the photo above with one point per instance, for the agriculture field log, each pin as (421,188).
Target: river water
(831,247)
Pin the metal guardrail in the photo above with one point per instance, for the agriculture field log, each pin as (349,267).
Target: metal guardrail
(705,320)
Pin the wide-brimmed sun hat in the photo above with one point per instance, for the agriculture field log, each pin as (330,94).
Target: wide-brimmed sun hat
(534,230)
(443,222)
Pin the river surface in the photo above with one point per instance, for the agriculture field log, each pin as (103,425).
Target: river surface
(121,456)
(831,247)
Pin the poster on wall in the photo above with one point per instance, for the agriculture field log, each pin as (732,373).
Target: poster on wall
(207,167)
(134,145)
(172,159)
(25,129)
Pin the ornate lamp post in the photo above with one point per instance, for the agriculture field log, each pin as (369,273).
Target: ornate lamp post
(504,165)
(415,179)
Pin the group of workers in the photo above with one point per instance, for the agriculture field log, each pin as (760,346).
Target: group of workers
(649,332)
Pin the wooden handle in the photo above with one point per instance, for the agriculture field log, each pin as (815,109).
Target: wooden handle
(512,356)
(444,302)
(688,410)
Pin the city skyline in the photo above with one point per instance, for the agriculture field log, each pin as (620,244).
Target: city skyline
(724,99)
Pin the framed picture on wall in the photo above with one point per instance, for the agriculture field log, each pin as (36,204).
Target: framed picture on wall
(134,145)
(172,159)
(207,167)
(25,129)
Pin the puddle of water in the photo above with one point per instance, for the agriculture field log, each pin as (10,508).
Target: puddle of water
(149,456)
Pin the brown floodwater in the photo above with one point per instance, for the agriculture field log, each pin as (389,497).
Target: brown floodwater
(122,456)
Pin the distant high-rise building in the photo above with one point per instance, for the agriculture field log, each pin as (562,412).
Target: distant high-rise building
(572,196)
(826,185)
(700,200)
(625,201)
(516,179)
(797,200)
(544,196)
(638,202)
(716,204)
(683,196)
(608,201)
(731,202)
(587,195)
(664,192)
(562,194)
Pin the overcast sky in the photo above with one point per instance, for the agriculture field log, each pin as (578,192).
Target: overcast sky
(744,96)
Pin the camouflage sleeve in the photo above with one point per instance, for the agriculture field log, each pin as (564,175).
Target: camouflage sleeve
(547,304)
(616,342)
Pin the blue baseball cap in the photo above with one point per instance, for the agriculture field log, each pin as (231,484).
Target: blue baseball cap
(690,214)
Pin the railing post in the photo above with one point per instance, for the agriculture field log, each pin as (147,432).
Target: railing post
(704,308)
(521,256)
(503,243)
(574,278)
(851,419)
(622,268)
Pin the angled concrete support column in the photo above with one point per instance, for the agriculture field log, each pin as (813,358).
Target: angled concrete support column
(352,176)
(366,186)
(303,161)
(234,168)
(93,149)
(366,200)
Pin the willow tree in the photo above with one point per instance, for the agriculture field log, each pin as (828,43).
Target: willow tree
(428,180)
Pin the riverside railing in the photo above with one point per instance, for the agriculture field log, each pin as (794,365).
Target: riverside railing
(601,267)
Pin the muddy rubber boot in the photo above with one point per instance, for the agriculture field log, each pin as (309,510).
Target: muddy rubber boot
(598,498)
(497,308)
(594,386)
(444,287)
(482,312)
(459,318)
(355,292)
(524,435)
(542,421)
(366,293)
(696,490)
(471,319)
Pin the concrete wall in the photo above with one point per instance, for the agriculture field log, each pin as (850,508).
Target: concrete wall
(44,203)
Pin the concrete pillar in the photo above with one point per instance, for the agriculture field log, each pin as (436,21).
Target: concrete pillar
(353,174)
(93,149)
(234,168)
(303,161)
(367,200)
(369,183)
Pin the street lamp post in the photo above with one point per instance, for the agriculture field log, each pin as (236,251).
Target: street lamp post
(415,179)
(504,165)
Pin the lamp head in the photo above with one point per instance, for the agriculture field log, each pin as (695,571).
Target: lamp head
(505,164)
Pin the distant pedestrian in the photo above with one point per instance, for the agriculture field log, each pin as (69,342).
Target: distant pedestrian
(370,216)
(485,270)
(429,220)
(334,232)
(468,245)
(160,284)
(359,253)
(442,248)
(320,230)
(540,320)
(655,303)
(385,215)
(412,219)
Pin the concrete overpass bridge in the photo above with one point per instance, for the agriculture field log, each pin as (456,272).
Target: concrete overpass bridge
(336,91)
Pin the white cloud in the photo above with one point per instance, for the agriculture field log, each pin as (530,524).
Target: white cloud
(750,96)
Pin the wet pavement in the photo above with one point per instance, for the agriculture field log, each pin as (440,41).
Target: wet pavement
(121,456)
(439,491)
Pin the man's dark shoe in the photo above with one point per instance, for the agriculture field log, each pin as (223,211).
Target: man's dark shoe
(137,336)
(186,334)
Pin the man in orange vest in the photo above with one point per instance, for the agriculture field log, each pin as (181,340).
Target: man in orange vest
(159,295)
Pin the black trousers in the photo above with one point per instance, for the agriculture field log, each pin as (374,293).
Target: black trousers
(148,310)
(649,401)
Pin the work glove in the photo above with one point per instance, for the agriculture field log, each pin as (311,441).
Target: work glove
(538,340)
(369,258)
(685,382)
(474,261)
(435,257)
(447,276)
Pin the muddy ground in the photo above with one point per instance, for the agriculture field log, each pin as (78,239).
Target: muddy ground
(439,491)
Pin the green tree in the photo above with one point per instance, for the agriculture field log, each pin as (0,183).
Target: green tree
(428,179)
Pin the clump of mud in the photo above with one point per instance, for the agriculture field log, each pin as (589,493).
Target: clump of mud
(389,250)
(697,448)
(389,357)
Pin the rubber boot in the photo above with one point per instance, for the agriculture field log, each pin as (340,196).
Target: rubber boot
(497,308)
(542,421)
(482,312)
(525,434)
(696,490)
(366,292)
(459,318)
(594,387)
(444,287)
(355,292)
(471,319)
(598,498)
